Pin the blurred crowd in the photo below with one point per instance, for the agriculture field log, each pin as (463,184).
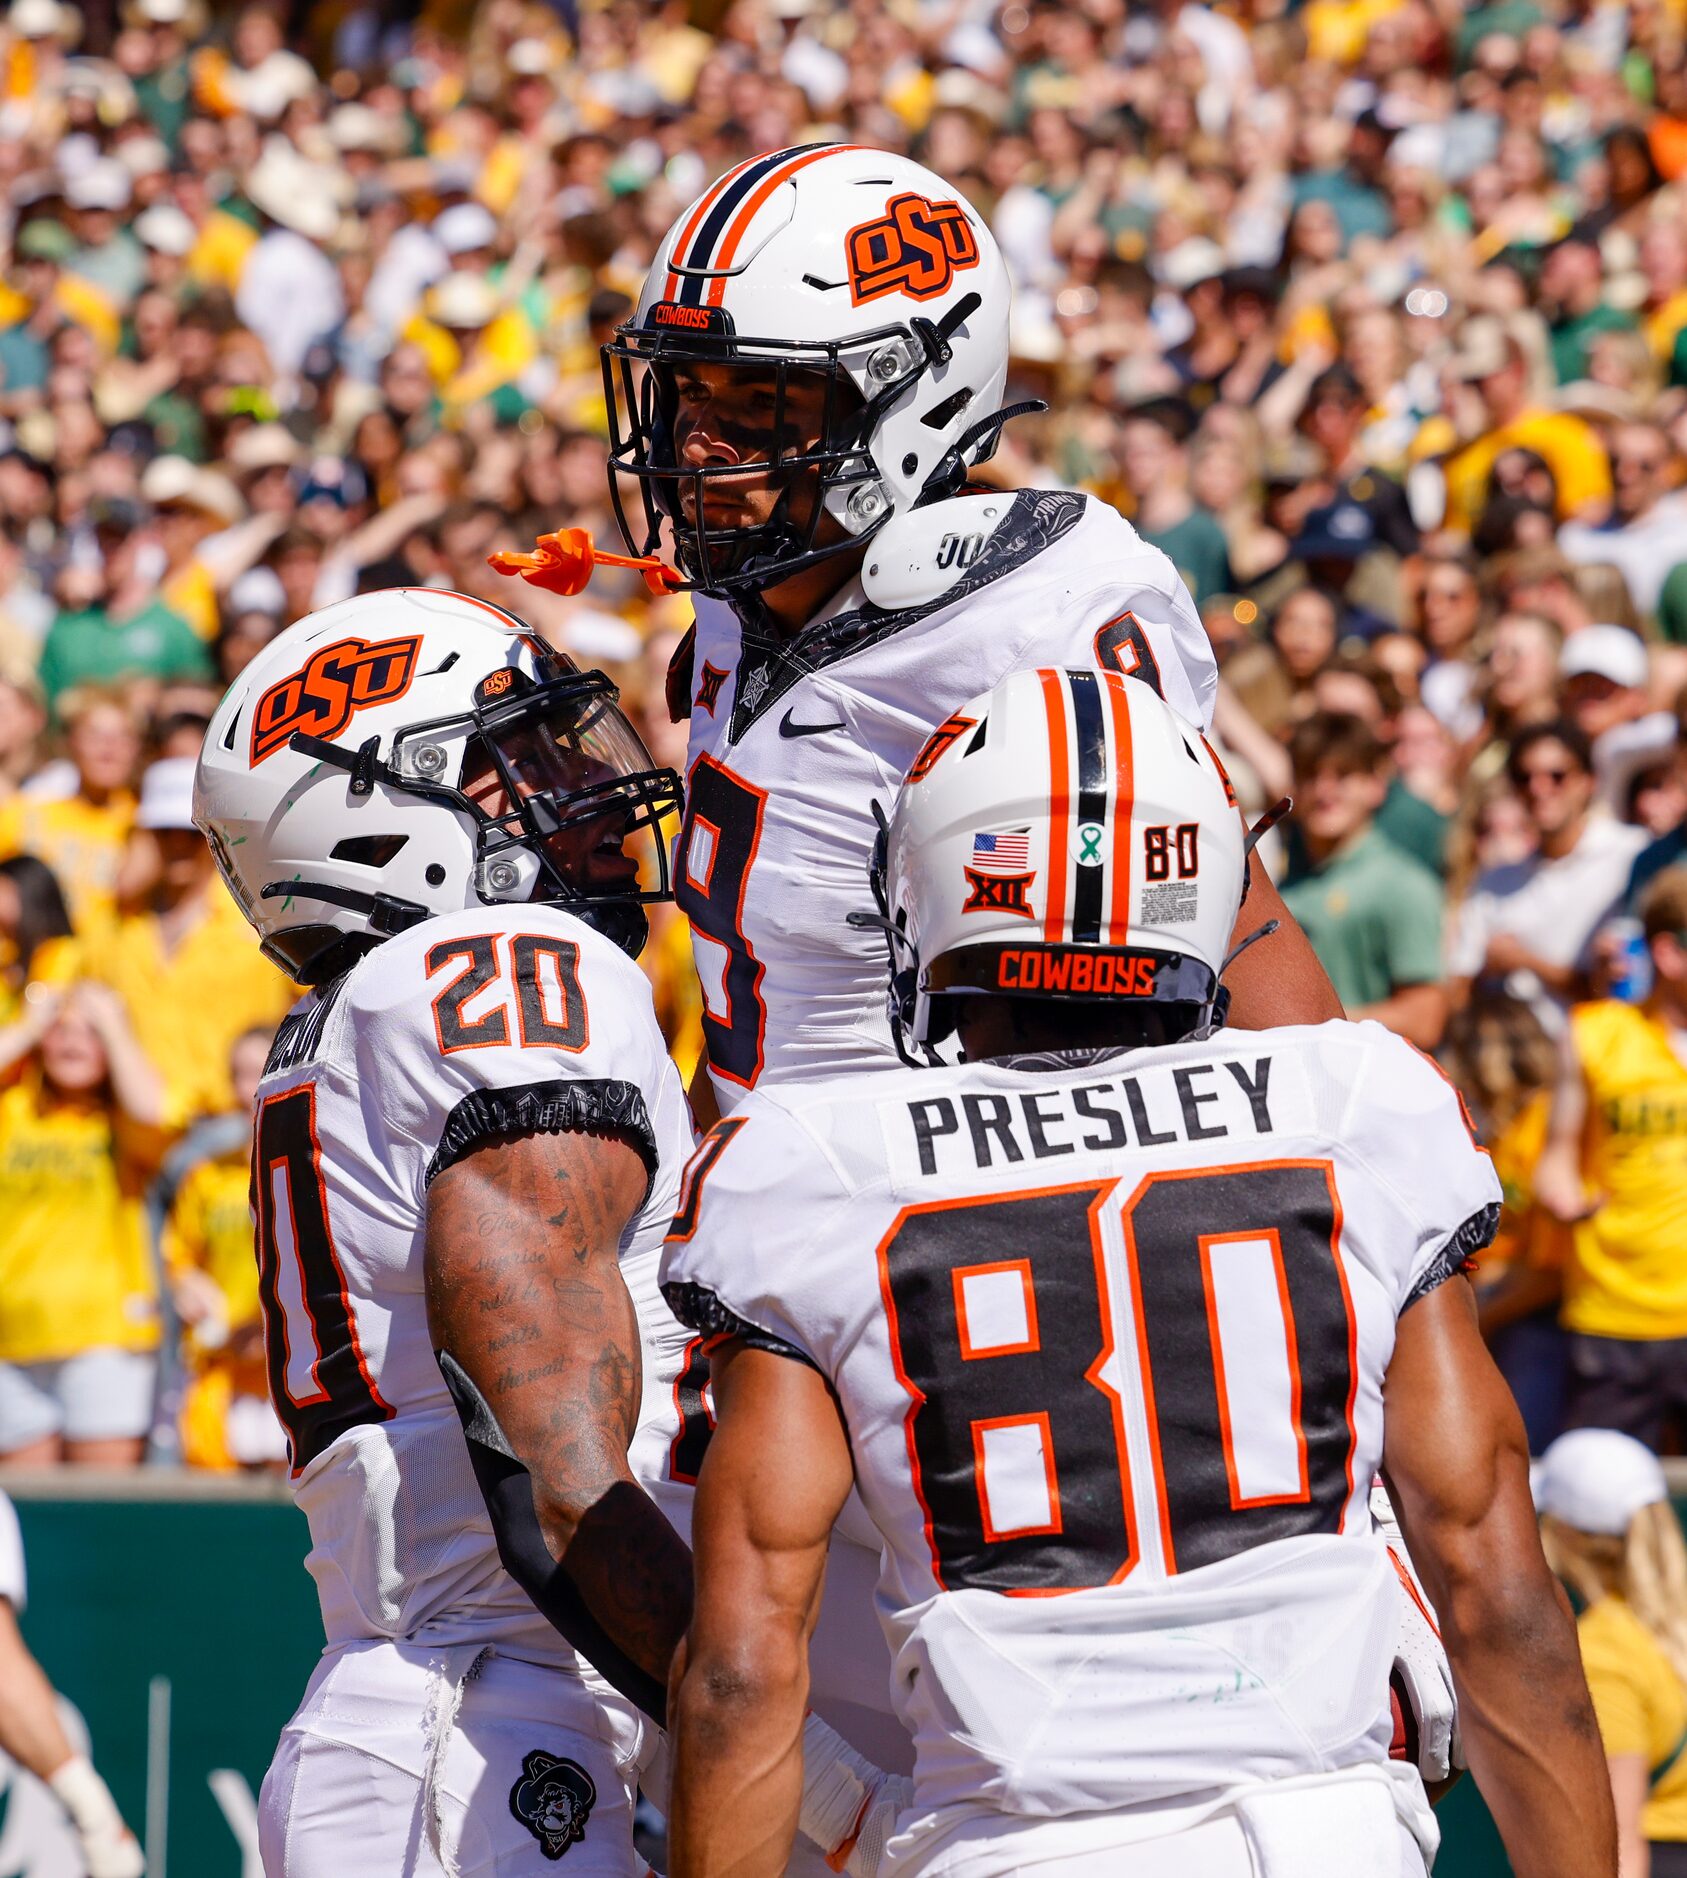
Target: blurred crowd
(1371,313)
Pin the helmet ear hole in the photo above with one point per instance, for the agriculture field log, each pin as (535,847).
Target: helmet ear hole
(368,850)
(945,413)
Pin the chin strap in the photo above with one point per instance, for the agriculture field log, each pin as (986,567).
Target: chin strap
(949,473)
(900,994)
(385,912)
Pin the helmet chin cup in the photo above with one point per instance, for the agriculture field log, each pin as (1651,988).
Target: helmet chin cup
(510,875)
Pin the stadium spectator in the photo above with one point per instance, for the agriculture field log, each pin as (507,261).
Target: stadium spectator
(79,1139)
(1612,1536)
(79,825)
(1612,1168)
(119,626)
(1526,926)
(1372,913)
(35,930)
(1504,1063)
(1642,535)
(187,968)
(1493,359)
(1154,464)
(204,1195)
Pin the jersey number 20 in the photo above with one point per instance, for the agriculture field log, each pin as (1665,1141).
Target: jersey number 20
(1006,1319)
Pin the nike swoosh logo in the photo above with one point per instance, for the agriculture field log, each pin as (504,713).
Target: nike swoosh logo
(789,728)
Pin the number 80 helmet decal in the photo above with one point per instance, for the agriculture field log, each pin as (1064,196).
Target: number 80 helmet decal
(1065,836)
(852,271)
(414,752)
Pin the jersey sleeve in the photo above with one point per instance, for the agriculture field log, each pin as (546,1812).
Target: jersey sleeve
(470,1033)
(1131,612)
(12,1583)
(739,1257)
(1436,1199)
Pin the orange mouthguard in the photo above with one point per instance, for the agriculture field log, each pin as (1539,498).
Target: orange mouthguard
(563,563)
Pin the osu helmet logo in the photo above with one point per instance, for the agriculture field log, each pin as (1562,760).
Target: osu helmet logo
(916,247)
(334,682)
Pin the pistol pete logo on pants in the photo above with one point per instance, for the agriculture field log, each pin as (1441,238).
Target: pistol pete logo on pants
(553,1799)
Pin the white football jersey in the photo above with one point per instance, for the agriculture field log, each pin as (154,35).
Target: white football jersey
(467,1025)
(791,745)
(1109,1339)
(12,1580)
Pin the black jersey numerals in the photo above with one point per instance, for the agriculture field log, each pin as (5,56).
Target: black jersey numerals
(319,1379)
(535,973)
(1019,1322)
(1122,646)
(723,825)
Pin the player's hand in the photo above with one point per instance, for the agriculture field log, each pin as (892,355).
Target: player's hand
(849,1805)
(1421,1680)
(109,1848)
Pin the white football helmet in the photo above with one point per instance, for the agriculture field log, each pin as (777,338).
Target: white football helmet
(334,783)
(850,264)
(1068,836)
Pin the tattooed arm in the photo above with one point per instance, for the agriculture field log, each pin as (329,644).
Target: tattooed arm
(538,1341)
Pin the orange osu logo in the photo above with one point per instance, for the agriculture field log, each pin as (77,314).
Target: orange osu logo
(334,682)
(916,247)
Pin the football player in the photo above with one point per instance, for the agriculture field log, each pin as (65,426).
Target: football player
(1099,1324)
(467,1141)
(33,1735)
(818,358)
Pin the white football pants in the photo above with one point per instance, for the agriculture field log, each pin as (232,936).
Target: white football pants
(1315,1826)
(454,1763)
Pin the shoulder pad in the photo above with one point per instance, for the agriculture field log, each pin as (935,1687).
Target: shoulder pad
(916,558)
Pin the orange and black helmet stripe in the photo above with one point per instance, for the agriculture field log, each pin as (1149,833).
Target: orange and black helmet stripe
(1060,805)
(1124,806)
(1090,808)
(710,238)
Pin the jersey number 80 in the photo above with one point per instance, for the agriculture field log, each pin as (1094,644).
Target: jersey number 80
(1006,1315)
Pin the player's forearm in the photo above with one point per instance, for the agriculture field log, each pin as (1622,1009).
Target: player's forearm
(1528,1724)
(736,1718)
(539,1344)
(628,1564)
(1278,981)
(30,1729)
